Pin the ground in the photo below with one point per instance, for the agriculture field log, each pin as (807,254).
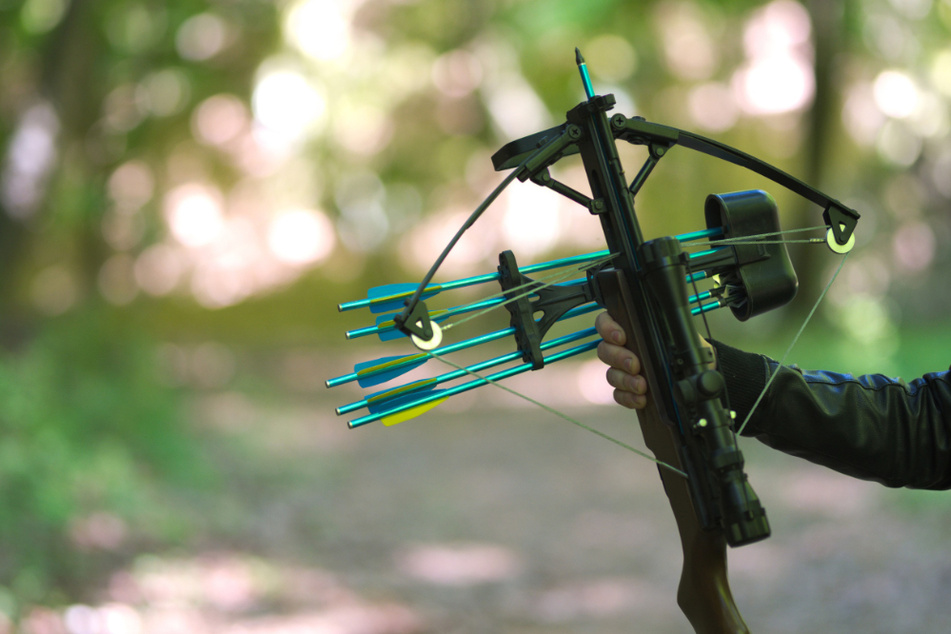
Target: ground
(489,515)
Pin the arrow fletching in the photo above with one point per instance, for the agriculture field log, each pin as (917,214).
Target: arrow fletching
(390,297)
(413,406)
(408,414)
(386,369)
(386,400)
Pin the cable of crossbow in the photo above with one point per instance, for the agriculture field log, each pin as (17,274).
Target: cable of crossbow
(481,306)
(726,393)
(791,345)
(756,238)
(532,287)
(475,215)
(562,415)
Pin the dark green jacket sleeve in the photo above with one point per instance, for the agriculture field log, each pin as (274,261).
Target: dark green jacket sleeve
(871,427)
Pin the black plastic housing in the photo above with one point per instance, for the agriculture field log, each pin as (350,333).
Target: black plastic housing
(763,269)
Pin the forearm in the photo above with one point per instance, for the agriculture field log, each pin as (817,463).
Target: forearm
(871,427)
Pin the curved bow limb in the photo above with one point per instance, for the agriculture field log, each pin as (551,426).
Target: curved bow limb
(704,593)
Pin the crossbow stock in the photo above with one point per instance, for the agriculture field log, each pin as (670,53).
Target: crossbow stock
(651,287)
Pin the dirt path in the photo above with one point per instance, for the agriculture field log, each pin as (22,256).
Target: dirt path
(507,520)
(502,520)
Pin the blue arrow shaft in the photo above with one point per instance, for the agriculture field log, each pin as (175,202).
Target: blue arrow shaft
(701,254)
(493,336)
(715,232)
(532,268)
(465,387)
(696,277)
(706,308)
(694,299)
(387,325)
(479,279)
(455,347)
(456,374)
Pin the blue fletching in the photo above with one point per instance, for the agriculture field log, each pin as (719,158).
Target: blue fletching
(406,363)
(388,290)
(390,333)
(399,293)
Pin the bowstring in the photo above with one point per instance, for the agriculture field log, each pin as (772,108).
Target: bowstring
(560,414)
(757,238)
(726,393)
(532,286)
(475,215)
(528,288)
(802,328)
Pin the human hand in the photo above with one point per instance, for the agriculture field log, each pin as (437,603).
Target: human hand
(624,373)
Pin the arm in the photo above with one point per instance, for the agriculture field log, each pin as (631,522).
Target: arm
(870,427)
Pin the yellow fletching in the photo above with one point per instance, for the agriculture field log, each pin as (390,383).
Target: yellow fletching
(412,412)
(380,367)
(418,386)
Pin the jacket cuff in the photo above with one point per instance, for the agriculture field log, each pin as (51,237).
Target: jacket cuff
(746,375)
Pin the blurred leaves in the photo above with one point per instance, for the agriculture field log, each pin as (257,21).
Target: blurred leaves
(91,442)
(230,170)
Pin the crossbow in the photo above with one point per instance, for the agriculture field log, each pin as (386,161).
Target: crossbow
(652,288)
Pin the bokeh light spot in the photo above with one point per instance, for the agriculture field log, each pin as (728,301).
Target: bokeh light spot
(713,107)
(40,16)
(131,185)
(914,246)
(159,269)
(611,57)
(165,92)
(194,214)
(895,94)
(320,29)
(897,145)
(457,73)
(201,37)
(688,47)
(219,119)
(301,236)
(288,104)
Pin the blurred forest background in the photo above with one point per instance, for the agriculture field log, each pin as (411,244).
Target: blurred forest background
(187,190)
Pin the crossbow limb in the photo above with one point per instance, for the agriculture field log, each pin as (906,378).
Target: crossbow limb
(645,286)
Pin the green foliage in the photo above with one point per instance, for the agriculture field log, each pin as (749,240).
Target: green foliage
(87,432)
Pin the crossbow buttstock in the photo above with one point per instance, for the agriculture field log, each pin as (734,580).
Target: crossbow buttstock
(704,593)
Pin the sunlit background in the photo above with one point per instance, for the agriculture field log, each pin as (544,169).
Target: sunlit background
(188,189)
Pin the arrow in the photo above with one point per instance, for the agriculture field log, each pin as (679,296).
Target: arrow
(412,408)
(370,373)
(384,369)
(386,329)
(585,77)
(381,400)
(390,297)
